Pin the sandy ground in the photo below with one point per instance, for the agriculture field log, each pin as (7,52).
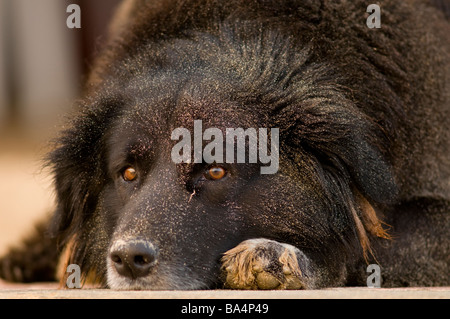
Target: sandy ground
(50,291)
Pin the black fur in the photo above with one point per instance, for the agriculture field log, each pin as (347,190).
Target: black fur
(363,113)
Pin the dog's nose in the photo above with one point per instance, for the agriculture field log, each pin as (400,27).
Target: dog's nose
(133,259)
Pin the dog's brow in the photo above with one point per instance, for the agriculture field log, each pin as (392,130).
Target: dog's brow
(139,148)
(186,169)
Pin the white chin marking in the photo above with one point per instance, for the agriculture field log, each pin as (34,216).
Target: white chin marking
(167,280)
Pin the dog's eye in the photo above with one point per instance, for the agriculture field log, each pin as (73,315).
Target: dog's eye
(129,174)
(215,173)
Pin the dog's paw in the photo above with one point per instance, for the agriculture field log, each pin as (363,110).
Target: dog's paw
(27,266)
(262,264)
(35,259)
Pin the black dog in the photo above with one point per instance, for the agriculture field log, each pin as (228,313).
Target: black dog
(363,177)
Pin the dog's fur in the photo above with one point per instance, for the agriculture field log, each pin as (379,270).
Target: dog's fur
(364,147)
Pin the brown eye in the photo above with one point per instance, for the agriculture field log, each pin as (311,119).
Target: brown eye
(129,174)
(215,173)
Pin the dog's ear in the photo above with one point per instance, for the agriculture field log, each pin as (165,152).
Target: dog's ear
(78,168)
(369,168)
(76,172)
(360,150)
(342,137)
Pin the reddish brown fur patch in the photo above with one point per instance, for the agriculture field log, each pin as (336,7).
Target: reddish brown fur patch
(90,279)
(367,221)
(64,261)
(370,219)
(362,234)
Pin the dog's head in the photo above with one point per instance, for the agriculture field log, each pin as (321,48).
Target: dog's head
(138,219)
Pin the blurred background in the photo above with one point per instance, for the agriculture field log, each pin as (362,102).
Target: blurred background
(43,64)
